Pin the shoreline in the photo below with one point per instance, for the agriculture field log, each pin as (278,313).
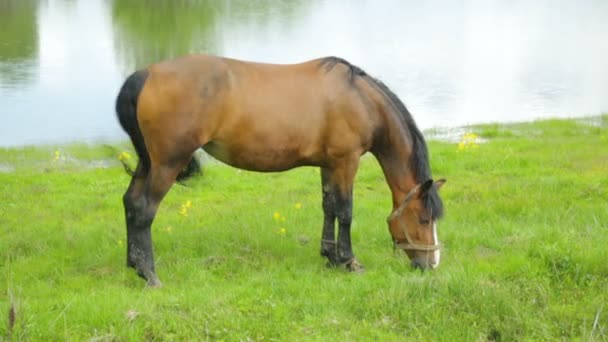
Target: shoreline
(445,134)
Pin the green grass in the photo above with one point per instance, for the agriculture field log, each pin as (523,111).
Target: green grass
(525,256)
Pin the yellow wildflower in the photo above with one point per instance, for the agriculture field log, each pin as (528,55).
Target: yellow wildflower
(276,216)
(282,231)
(186,206)
(124,156)
(469,141)
(470,136)
(298,205)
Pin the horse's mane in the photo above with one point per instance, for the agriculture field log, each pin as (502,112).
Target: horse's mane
(353,70)
(419,159)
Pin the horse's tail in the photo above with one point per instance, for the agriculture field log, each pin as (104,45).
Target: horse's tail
(126,110)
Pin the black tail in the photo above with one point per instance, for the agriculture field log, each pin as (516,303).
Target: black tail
(126,110)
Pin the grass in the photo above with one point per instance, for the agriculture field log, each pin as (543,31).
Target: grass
(525,237)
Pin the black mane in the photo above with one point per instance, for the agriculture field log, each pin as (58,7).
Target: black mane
(330,62)
(419,159)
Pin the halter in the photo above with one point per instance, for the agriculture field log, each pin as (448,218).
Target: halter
(409,244)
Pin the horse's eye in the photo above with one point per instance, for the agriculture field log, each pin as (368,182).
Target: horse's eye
(425,222)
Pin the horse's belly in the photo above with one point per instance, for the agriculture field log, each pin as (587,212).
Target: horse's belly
(269,159)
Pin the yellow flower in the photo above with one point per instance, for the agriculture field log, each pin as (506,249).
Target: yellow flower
(56,155)
(298,205)
(469,141)
(169,229)
(186,206)
(276,216)
(124,156)
(120,243)
(282,231)
(470,136)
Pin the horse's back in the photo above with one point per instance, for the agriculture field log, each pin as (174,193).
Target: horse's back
(257,116)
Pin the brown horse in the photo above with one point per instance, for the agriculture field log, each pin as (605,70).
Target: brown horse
(265,117)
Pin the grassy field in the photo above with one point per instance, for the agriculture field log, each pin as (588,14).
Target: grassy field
(525,258)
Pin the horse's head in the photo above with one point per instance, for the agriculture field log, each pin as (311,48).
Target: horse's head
(413,225)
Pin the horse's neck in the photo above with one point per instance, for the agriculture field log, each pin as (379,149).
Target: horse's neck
(399,174)
(396,147)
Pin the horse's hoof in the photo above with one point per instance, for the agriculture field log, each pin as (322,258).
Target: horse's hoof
(330,264)
(355,267)
(154,283)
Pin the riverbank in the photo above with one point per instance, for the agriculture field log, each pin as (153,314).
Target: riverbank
(525,233)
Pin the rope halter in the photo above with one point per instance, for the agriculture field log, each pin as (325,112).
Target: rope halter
(409,244)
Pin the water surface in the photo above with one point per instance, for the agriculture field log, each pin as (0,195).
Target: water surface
(452,62)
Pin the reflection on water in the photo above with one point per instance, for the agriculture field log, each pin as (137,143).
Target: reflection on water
(18,42)
(453,63)
(74,77)
(149,31)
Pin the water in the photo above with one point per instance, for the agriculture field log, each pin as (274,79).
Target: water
(452,62)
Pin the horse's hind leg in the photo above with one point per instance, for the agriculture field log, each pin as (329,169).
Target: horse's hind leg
(134,191)
(141,209)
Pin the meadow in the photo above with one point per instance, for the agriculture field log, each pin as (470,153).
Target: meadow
(525,248)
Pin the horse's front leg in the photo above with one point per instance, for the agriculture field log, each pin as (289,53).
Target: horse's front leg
(344,211)
(338,203)
(328,239)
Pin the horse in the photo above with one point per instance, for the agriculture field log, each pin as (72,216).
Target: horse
(264,117)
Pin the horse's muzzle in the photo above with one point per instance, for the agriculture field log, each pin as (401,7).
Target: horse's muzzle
(424,264)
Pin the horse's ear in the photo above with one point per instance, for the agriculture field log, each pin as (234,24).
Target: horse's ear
(438,184)
(424,187)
